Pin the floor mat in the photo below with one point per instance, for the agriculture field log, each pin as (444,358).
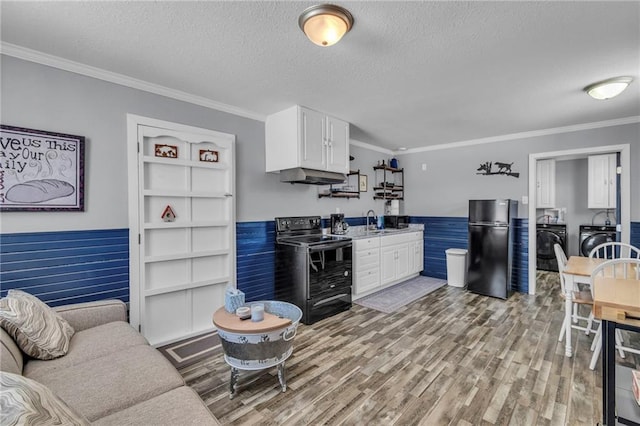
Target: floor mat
(189,351)
(393,298)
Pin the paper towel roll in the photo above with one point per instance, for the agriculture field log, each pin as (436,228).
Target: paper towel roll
(395,207)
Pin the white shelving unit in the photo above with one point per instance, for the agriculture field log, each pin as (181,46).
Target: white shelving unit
(180,266)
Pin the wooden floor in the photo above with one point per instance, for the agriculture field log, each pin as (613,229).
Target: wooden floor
(451,357)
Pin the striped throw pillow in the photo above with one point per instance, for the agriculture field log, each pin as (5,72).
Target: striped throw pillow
(37,329)
(26,402)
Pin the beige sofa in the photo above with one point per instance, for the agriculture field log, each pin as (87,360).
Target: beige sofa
(110,375)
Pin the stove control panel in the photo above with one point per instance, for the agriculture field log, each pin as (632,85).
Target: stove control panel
(301,223)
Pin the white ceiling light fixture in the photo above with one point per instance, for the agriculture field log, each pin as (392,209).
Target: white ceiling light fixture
(325,24)
(609,88)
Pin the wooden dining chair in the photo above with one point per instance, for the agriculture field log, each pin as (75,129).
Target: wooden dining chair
(615,250)
(628,269)
(579,298)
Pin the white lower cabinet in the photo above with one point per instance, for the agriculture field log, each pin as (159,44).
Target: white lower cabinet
(366,265)
(385,260)
(416,256)
(394,263)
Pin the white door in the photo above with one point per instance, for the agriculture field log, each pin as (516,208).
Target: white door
(388,264)
(402,259)
(312,139)
(415,257)
(546,185)
(182,227)
(338,148)
(602,181)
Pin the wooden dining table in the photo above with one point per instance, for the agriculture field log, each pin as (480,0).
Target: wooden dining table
(616,302)
(577,271)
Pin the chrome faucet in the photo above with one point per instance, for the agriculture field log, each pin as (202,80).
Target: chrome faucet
(373,215)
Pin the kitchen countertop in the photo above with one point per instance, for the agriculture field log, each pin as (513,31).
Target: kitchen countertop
(360,232)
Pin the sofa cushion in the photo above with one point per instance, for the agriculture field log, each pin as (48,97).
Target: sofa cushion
(37,329)
(11,358)
(105,385)
(181,406)
(26,402)
(86,315)
(89,344)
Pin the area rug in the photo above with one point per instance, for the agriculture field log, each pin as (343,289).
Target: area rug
(393,298)
(189,351)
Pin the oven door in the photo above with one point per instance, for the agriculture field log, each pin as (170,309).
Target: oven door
(329,269)
(327,305)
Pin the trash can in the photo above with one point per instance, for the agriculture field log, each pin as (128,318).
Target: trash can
(456,267)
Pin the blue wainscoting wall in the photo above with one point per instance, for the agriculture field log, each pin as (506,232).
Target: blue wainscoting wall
(255,259)
(520,260)
(81,266)
(635,234)
(440,234)
(67,267)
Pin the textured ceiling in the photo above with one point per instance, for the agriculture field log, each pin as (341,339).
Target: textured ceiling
(409,74)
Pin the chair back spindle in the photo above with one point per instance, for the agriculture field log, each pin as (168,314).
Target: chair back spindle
(615,250)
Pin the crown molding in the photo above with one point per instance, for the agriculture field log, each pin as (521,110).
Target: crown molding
(370,147)
(134,83)
(524,135)
(121,79)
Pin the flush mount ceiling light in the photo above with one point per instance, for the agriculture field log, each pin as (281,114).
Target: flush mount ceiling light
(608,89)
(325,24)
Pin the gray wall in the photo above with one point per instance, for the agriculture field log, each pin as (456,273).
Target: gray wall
(44,98)
(451,180)
(571,193)
(40,97)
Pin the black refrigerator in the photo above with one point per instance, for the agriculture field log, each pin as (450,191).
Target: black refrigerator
(490,246)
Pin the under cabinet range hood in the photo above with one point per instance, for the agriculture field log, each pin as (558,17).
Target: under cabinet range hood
(311,177)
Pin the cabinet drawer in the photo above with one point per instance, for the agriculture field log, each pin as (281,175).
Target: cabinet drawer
(367,258)
(366,243)
(367,280)
(390,240)
(416,236)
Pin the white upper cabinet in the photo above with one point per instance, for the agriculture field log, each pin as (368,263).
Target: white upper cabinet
(338,145)
(602,182)
(545,184)
(301,137)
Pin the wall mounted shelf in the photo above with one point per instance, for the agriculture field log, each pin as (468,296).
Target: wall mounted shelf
(338,192)
(389,183)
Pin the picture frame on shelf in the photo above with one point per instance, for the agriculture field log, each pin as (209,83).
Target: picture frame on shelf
(209,156)
(362,184)
(165,151)
(41,170)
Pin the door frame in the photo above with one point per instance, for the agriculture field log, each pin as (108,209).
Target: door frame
(133,122)
(624,190)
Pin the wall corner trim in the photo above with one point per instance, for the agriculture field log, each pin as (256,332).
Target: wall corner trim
(123,80)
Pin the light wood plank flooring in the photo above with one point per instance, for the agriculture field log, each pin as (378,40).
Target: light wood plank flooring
(450,358)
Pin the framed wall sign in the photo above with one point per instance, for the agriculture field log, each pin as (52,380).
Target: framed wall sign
(363,183)
(40,170)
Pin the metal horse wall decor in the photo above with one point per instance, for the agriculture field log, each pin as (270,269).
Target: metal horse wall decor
(503,169)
